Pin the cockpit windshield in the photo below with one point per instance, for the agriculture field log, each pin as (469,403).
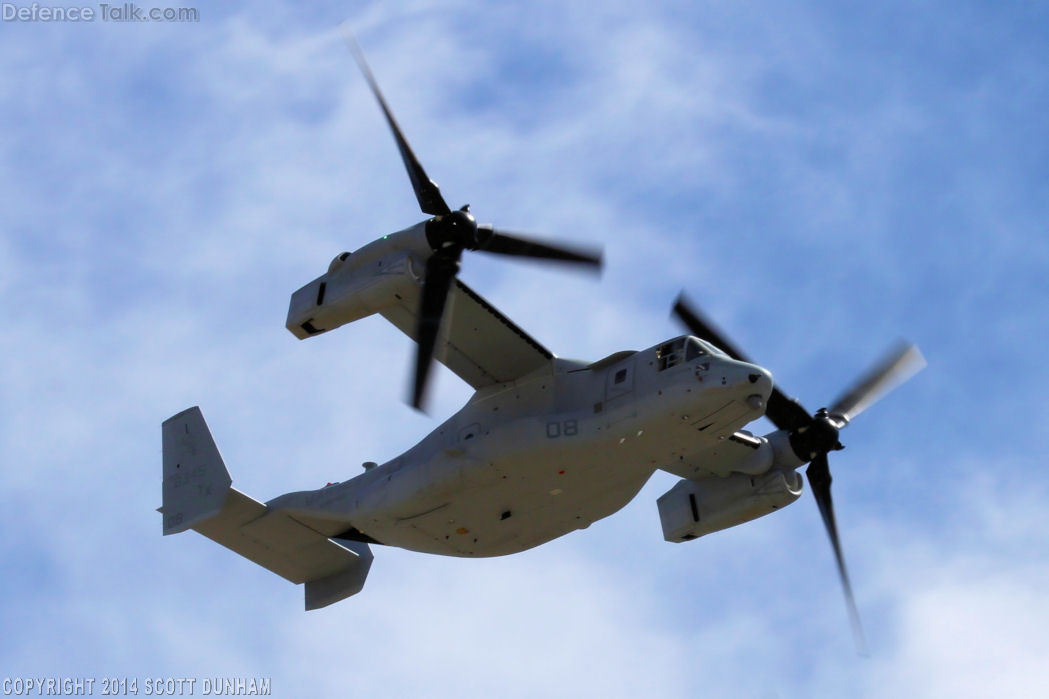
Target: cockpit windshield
(714,349)
(693,349)
(683,349)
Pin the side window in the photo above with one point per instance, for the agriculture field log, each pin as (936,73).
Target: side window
(619,381)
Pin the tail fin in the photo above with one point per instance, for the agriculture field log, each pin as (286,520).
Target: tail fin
(198,495)
(196,481)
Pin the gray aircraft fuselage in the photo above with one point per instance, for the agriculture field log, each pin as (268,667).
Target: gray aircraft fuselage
(529,461)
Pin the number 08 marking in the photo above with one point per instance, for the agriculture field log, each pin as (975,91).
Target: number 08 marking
(568,428)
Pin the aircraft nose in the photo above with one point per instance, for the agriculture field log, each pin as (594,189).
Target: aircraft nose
(759,385)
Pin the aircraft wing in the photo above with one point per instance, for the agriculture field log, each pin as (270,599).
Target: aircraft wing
(734,453)
(481,345)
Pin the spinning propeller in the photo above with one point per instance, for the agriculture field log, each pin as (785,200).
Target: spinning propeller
(449,233)
(813,437)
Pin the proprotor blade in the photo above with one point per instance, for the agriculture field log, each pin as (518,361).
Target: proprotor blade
(818,474)
(504,243)
(703,328)
(441,269)
(784,412)
(898,365)
(426,190)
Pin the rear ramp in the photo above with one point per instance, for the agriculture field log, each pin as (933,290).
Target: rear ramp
(198,495)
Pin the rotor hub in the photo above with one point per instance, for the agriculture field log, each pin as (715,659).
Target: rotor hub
(818,437)
(457,228)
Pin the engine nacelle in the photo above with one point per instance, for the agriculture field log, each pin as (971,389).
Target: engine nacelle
(370,280)
(693,508)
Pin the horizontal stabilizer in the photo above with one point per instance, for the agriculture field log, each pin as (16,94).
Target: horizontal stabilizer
(195,479)
(332,569)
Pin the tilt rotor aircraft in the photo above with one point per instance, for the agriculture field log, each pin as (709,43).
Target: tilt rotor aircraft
(545,446)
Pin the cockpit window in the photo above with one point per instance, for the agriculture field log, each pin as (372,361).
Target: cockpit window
(693,349)
(714,349)
(682,349)
(670,353)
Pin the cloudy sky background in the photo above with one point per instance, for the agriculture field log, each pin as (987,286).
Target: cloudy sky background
(822,180)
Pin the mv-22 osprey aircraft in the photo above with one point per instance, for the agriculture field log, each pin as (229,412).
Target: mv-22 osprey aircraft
(545,446)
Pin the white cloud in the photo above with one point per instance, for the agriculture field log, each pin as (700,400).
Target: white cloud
(966,603)
(171,187)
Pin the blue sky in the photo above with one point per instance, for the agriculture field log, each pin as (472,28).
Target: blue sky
(822,179)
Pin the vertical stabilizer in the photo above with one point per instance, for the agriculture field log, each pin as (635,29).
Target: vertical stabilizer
(347,581)
(196,481)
